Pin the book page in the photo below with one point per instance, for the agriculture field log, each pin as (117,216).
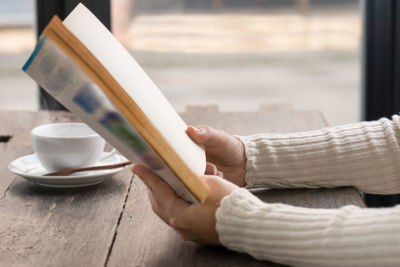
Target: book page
(61,77)
(127,72)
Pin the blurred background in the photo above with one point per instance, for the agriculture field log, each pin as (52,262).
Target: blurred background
(234,53)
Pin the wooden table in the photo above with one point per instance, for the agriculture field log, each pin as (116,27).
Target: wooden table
(112,224)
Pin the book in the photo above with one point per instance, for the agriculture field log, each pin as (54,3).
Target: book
(81,64)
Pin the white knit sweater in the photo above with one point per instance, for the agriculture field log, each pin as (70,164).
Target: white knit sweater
(364,155)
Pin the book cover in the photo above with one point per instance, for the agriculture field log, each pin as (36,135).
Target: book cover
(82,65)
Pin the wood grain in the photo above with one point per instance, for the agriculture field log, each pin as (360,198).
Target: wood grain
(144,240)
(112,224)
(18,124)
(42,227)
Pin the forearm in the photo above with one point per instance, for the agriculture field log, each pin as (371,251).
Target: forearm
(349,236)
(364,155)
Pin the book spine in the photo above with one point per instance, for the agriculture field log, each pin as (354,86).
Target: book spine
(54,71)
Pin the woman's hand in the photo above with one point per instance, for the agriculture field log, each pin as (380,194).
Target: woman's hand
(223,150)
(191,222)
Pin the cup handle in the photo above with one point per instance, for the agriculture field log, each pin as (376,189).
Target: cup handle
(108,155)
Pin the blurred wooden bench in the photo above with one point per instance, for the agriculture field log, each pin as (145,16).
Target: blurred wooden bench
(302,5)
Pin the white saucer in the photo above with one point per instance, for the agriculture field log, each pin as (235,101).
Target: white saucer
(30,168)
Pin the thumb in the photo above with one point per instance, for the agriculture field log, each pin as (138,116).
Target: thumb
(207,136)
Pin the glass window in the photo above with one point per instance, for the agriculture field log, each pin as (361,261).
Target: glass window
(240,54)
(237,54)
(17,40)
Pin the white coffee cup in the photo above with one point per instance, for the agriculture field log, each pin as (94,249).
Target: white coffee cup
(66,146)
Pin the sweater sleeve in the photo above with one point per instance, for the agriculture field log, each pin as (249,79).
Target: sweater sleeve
(365,155)
(349,236)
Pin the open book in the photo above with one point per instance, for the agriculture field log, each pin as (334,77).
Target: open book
(80,63)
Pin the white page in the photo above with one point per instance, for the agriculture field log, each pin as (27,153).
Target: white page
(127,72)
(60,76)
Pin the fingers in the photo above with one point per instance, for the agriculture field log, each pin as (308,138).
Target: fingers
(218,187)
(207,136)
(211,169)
(162,193)
(198,134)
(149,178)
(164,201)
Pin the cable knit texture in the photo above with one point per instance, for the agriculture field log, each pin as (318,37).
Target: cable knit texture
(364,155)
(349,236)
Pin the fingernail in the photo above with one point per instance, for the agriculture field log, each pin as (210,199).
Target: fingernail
(199,130)
(215,171)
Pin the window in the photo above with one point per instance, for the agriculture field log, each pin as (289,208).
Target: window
(241,54)
(17,39)
(237,54)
